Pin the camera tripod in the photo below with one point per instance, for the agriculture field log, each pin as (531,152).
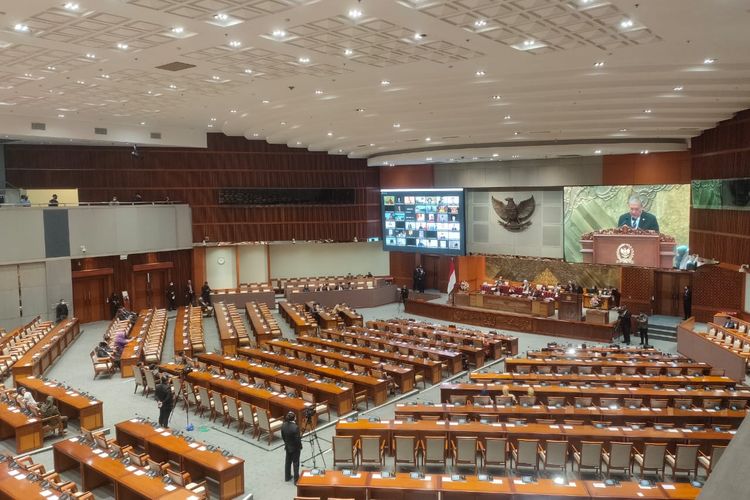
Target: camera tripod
(313,441)
(185,401)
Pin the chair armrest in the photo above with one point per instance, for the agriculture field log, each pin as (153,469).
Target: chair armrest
(575,450)
(703,454)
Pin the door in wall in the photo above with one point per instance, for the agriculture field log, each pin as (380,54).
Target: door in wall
(149,289)
(431,264)
(668,287)
(90,298)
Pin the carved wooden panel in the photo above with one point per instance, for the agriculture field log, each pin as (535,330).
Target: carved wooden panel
(637,289)
(716,289)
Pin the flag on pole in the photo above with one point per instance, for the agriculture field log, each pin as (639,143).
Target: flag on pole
(452,277)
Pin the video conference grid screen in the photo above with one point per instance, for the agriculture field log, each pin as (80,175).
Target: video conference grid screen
(423,220)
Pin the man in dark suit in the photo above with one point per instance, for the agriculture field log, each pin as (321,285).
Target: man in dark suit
(687,301)
(636,218)
(292,445)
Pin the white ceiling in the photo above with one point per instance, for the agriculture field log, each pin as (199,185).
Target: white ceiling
(487,72)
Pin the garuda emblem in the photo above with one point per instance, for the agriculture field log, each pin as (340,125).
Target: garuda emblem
(514,217)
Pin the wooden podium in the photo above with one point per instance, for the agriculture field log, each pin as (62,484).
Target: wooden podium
(570,306)
(626,247)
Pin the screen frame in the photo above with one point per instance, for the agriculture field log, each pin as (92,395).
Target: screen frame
(460,192)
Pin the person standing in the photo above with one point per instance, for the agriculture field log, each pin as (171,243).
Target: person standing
(171,297)
(419,279)
(61,311)
(53,201)
(163,395)
(687,301)
(206,293)
(189,294)
(642,320)
(625,324)
(292,445)
(114,304)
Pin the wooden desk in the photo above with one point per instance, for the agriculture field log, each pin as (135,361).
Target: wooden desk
(333,483)
(264,328)
(429,368)
(241,296)
(588,414)
(225,325)
(26,430)
(45,352)
(649,355)
(351,317)
(181,334)
(698,346)
(557,378)
(14,484)
(340,399)
(376,389)
(570,392)
(597,364)
(89,413)
(132,352)
(302,325)
(404,377)
(278,404)
(96,470)
(161,445)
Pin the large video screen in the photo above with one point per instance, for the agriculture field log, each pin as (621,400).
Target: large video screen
(664,208)
(423,220)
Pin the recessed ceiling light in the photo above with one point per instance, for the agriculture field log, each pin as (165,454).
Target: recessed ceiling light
(644,151)
(341,150)
(623,130)
(429,158)
(61,115)
(330,134)
(210,125)
(233,111)
(105,76)
(597,151)
(372,144)
(235,44)
(396,125)
(172,86)
(647,111)
(122,46)
(516,156)
(348,52)
(283,123)
(428,139)
(354,13)
(678,88)
(318,92)
(480,73)
(418,36)
(51,68)
(360,110)
(298,143)
(529,43)
(71,6)
(265,101)
(90,55)
(255,134)
(495,155)
(385,83)
(177,30)
(21,27)
(626,23)
(709,61)
(215,77)
(27,75)
(506,117)
(304,59)
(81,82)
(221,17)
(480,23)
(213,119)
(248,71)
(143,123)
(279,33)
(599,64)
(496,97)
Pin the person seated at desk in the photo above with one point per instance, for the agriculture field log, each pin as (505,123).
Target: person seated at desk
(102,350)
(306,288)
(526,289)
(25,399)
(368,275)
(49,409)
(507,393)
(207,310)
(730,324)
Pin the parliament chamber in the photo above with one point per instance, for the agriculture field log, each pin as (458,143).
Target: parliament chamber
(374,249)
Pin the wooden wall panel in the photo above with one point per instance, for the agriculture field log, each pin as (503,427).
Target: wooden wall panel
(637,289)
(195,176)
(655,168)
(407,176)
(402,267)
(716,289)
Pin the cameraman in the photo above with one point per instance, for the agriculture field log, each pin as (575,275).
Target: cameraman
(292,445)
(404,295)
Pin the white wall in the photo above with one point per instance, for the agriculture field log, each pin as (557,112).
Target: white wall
(221,275)
(253,263)
(23,235)
(543,238)
(319,259)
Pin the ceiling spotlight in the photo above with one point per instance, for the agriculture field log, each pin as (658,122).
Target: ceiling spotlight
(216,77)
(597,151)
(298,143)
(330,134)
(304,59)
(428,139)
(348,52)
(528,43)
(143,123)
(122,46)
(178,30)
(360,110)
(90,56)
(279,33)
(599,64)
(495,155)
(235,44)
(480,73)
(678,89)
(105,76)
(71,6)
(61,116)
(21,27)
(647,111)
(429,158)
(51,68)
(396,125)
(265,101)
(516,156)
(474,157)
(318,92)
(233,111)
(496,97)
(221,17)
(81,82)
(506,117)
(516,133)
(210,125)
(644,151)
(480,23)
(419,36)
(705,61)
(354,13)
(248,71)
(623,130)
(255,134)
(626,23)
(385,83)
(213,119)
(172,86)
(283,123)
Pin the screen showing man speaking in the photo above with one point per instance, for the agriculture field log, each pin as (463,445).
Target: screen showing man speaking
(662,208)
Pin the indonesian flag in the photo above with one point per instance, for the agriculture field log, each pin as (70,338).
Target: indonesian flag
(452,278)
